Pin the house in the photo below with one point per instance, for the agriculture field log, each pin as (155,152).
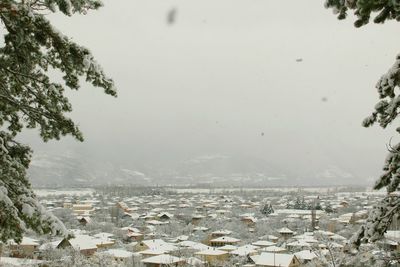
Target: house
(155,245)
(191,245)
(249,220)
(133,233)
(305,256)
(267,259)
(285,233)
(213,256)
(153,252)
(223,240)
(134,236)
(25,249)
(245,250)
(148,216)
(104,240)
(392,239)
(164,216)
(84,220)
(163,260)
(83,243)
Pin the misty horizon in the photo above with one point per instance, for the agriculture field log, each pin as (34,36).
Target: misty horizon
(243,82)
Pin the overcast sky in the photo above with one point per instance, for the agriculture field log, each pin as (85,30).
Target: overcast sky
(224,73)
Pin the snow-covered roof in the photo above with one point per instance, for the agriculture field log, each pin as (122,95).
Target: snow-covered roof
(225,239)
(263,243)
(298,243)
(393,235)
(245,250)
(222,232)
(200,228)
(103,235)
(165,214)
(305,255)
(285,230)
(163,259)
(50,245)
(228,247)
(26,241)
(250,218)
(193,245)
(390,242)
(273,259)
(268,237)
(198,216)
(273,249)
(159,244)
(133,234)
(83,242)
(119,253)
(326,233)
(211,252)
(153,251)
(155,222)
(182,238)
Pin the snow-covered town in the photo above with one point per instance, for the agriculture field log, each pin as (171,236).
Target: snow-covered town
(161,227)
(164,133)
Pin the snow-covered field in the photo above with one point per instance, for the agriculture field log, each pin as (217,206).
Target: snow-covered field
(237,189)
(69,192)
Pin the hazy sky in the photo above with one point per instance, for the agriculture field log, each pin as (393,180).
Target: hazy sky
(224,73)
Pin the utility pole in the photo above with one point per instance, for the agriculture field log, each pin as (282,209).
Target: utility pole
(313,216)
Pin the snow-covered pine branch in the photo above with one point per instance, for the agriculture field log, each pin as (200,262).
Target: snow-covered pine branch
(385,112)
(29,98)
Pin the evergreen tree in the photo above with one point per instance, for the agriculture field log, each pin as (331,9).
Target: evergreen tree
(304,205)
(328,208)
(318,206)
(298,204)
(385,112)
(267,209)
(30,98)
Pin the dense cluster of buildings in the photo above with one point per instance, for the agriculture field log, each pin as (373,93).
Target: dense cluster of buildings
(199,229)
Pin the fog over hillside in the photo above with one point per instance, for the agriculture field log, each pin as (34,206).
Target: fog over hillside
(72,169)
(224,93)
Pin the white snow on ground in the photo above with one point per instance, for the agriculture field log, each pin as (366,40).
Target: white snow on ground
(57,192)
